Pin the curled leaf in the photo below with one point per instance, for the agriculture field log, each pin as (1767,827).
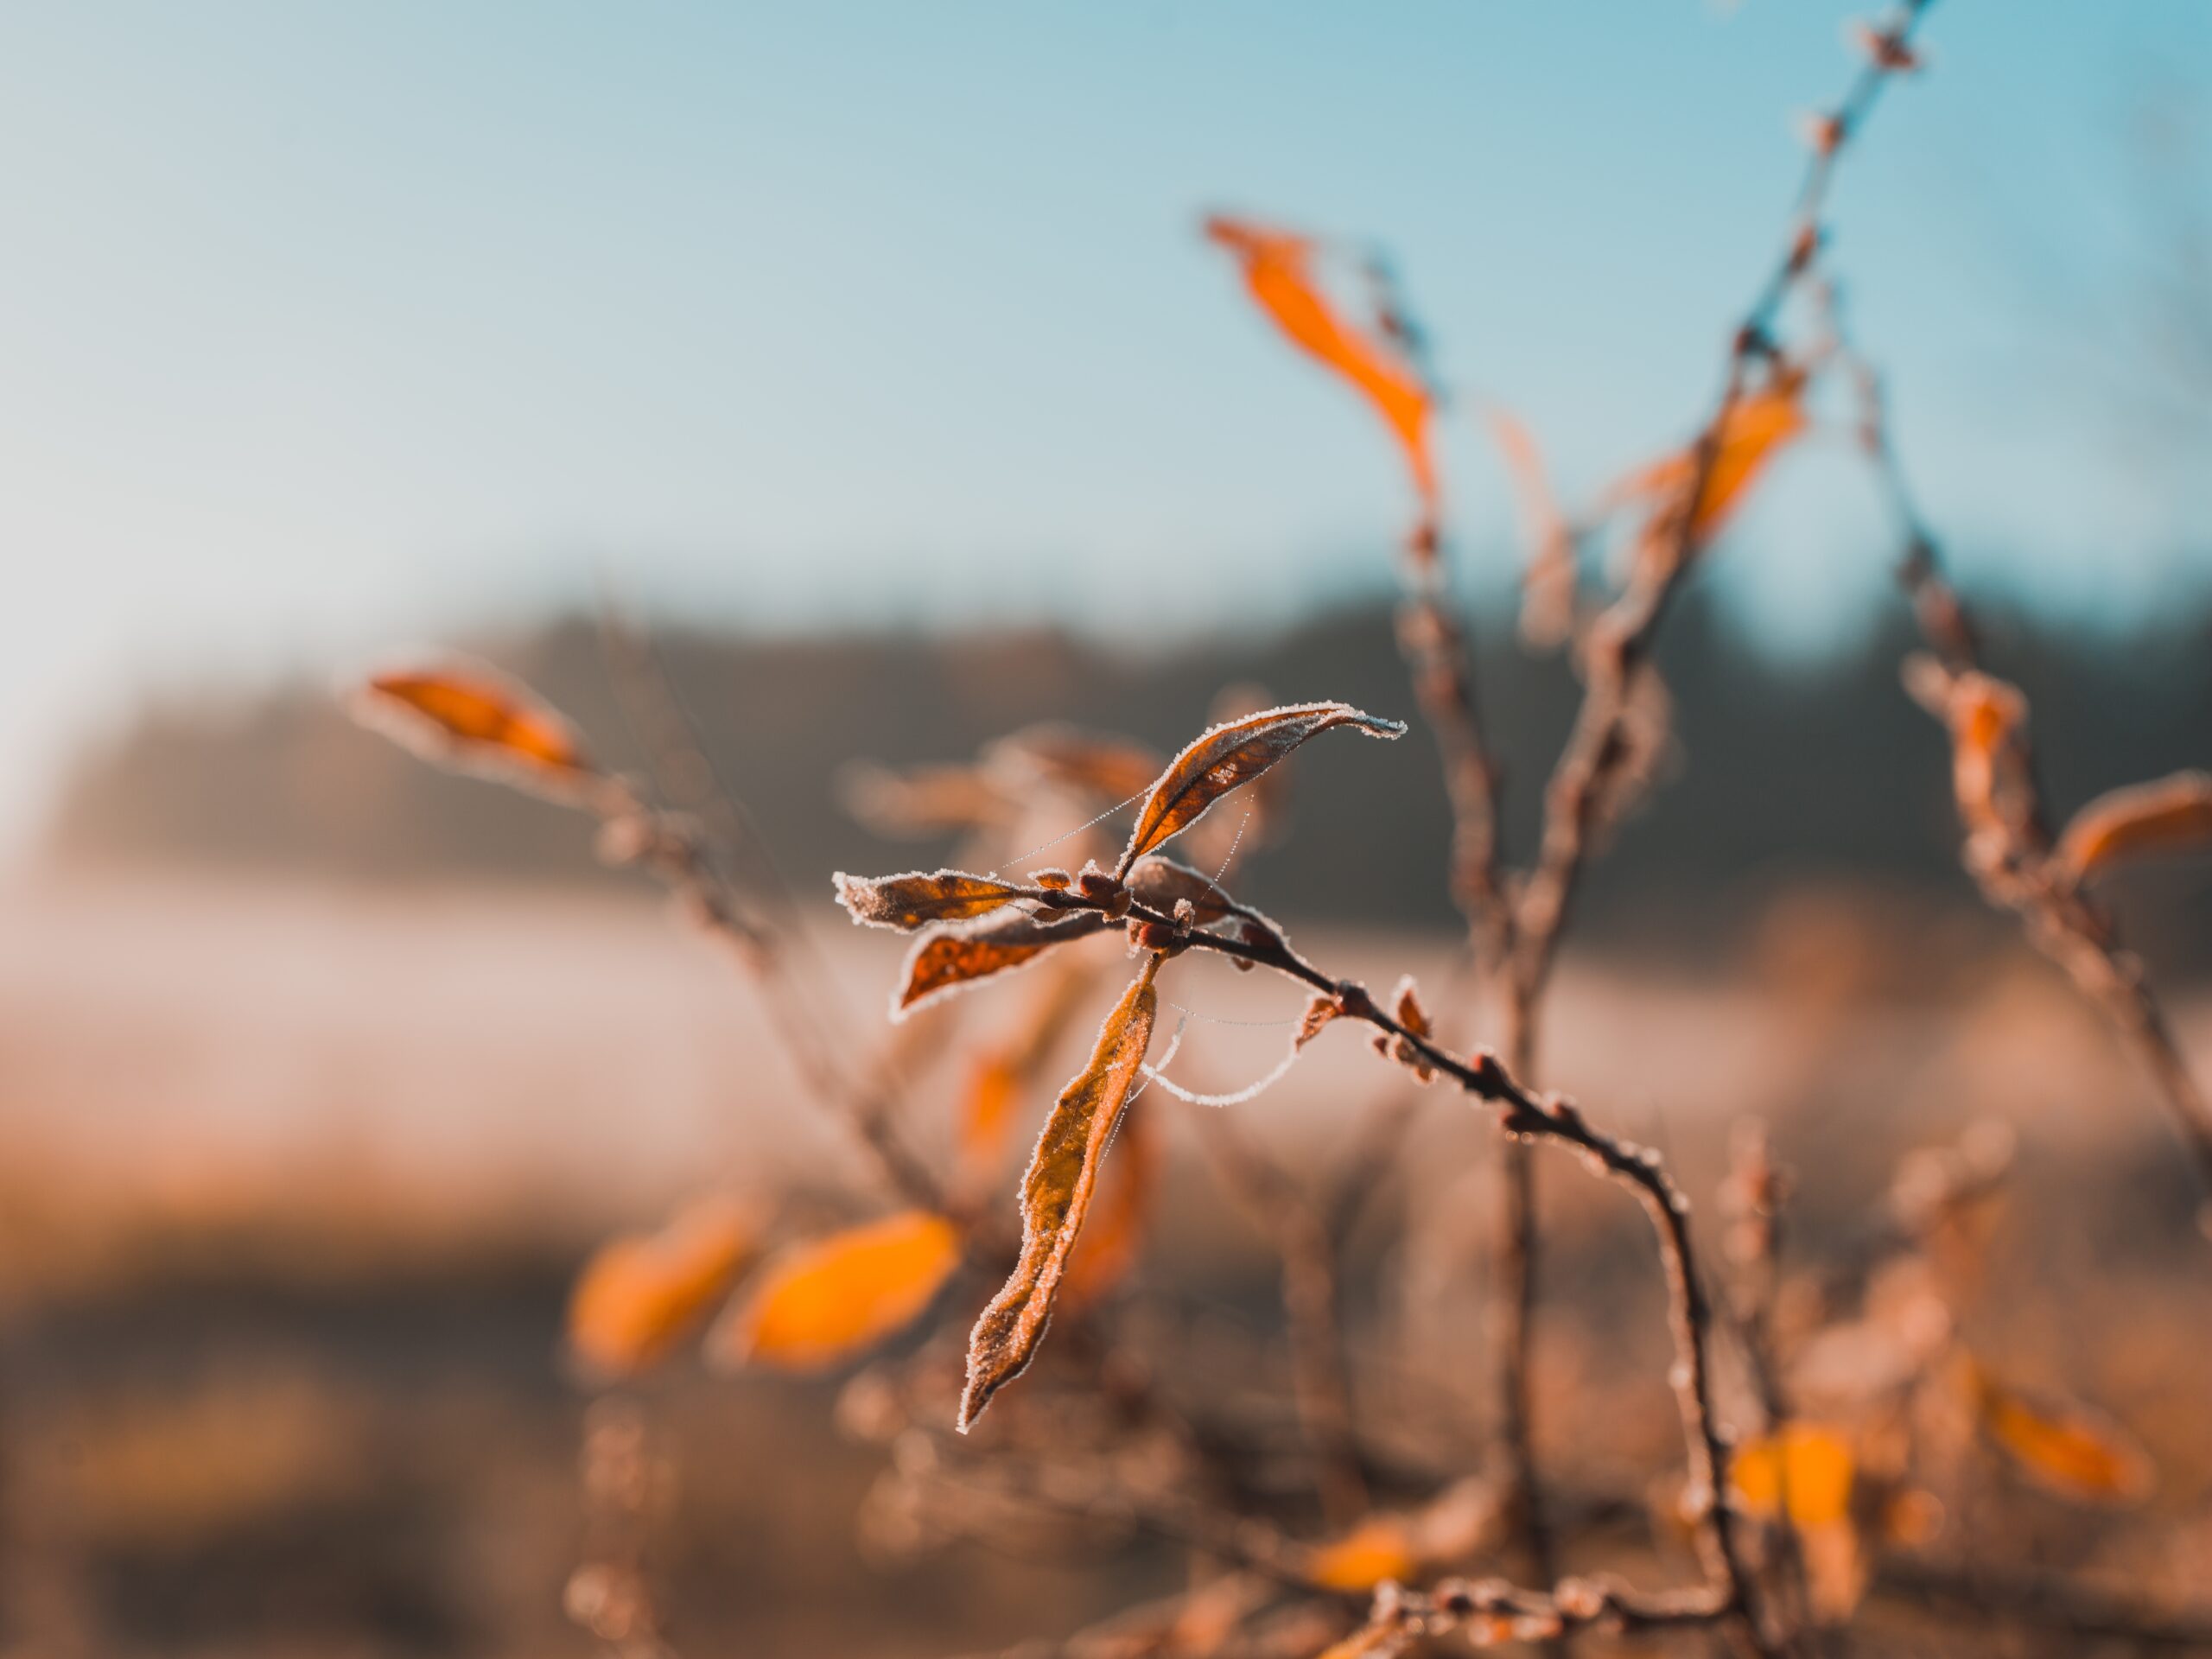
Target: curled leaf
(1161,883)
(914,900)
(954,957)
(1409,1013)
(822,1302)
(1319,1011)
(472,717)
(1983,715)
(2172,815)
(2068,1448)
(1114,1239)
(1278,273)
(1057,1193)
(640,1293)
(1232,753)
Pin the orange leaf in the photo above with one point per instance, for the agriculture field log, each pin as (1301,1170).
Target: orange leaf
(955,958)
(822,1302)
(1056,1195)
(1109,769)
(1983,715)
(995,1085)
(2070,1449)
(1113,1241)
(2171,815)
(1808,1465)
(1230,754)
(906,902)
(1278,272)
(1379,1548)
(1759,425)
(472,717)
(639,1294)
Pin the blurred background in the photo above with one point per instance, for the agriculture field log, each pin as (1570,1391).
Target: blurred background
(870,354)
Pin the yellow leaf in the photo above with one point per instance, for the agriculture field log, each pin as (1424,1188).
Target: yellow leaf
(822,1302)
(1056,1194)
(1810,1466)
(639,1294)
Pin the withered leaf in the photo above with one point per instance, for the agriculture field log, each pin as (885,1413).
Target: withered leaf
(1235,752)
(1056,1194)
(1759,424)
(2171,815)
(953,957)
(640,1293)
(916,899)
(1983,715)
(2068,1448)
(821,1303)
(1000,1075)
(1549,580)
(1320,1010)
(925,801)
(469,716)
(1161,882)
(1109,1246)
(1278,273)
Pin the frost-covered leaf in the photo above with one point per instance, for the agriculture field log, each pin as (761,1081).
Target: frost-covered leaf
(1112,1241)
(1232,753)
(1161,883)
(1319,1011)
(1279,275)
(467,716)
(640,1293)
(956,957)
(2172,815)
(1057,1193)
(916,900)
(823,1302)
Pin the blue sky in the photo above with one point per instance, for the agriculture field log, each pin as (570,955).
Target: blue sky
(323,326)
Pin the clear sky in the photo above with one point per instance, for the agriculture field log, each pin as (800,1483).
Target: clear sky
(326,326)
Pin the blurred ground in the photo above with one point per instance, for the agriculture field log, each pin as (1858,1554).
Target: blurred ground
(295,1177)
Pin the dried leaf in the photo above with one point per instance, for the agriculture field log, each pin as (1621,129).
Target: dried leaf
(1056,1193)
(472,717)
(2068,1448)
(956,957)
(1379,1548)
(906,902)
(1759,424)
(1232,753)
(1108,769)
(1808,1465)
(1983,715)
(925,801)
(2172,815)
(1161,883)
(640,1293)
(1111,1243)
(1320,1010)
(1548,581)
(824,1301)
(1278,272)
